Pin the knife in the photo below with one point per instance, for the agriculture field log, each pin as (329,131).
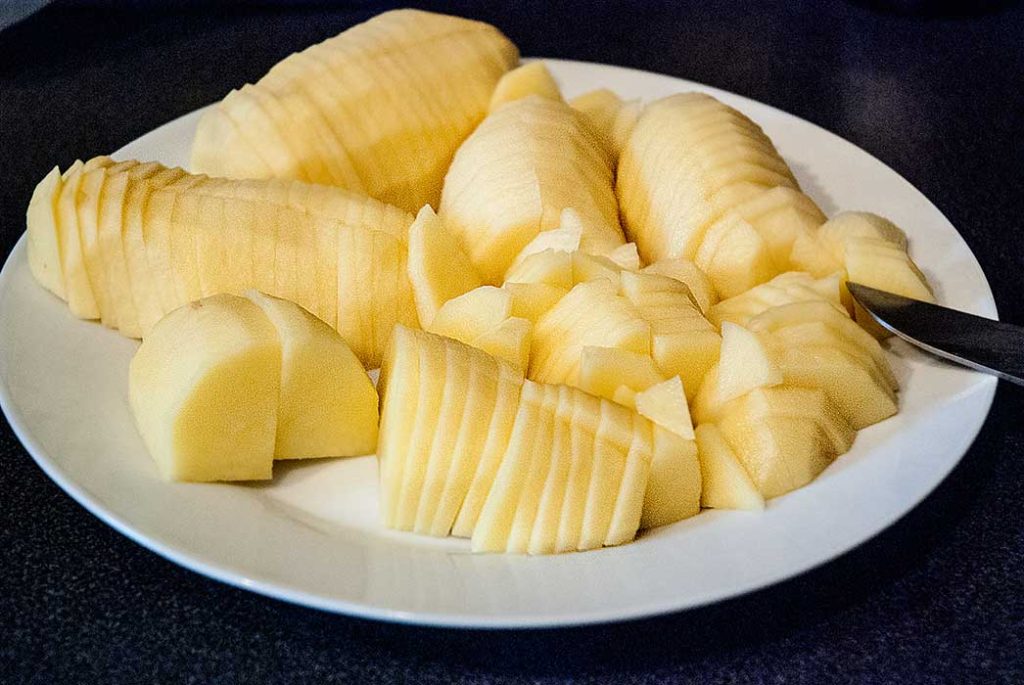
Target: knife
(990,346)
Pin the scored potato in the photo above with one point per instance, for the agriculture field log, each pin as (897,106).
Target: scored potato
(152,239)
(374,109)
(559,431)
(688,160)
(529,160)
(434,386)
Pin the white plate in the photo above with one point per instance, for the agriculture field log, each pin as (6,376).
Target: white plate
(312,537)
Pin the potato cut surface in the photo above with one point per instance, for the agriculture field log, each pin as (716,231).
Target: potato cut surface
(374,109)
(204,388)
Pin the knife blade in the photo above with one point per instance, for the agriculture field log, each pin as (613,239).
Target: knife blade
(993,347)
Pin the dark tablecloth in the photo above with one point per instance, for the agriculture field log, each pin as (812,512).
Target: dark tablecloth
(937,598)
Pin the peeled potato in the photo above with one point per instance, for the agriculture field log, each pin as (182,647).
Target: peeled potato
(134,241)
(526,162)
(223,386)
(688,160)
(529,79)
(379,108)
(204,388)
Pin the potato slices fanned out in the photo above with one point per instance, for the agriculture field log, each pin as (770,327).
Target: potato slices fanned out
(529,159)
(375,109)
(688,161)
(446,415)
(135,241)
(540,501)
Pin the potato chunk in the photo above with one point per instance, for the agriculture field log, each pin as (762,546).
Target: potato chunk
(204,388)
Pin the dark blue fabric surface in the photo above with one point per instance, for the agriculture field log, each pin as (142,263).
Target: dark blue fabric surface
(938,598)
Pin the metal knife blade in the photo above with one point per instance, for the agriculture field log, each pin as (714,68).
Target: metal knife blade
(990,346)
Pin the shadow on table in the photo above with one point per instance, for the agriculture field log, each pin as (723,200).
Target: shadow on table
(807,602)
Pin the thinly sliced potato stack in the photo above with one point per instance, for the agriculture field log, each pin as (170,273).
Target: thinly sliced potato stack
(529,160)
(379,108)
(129,242)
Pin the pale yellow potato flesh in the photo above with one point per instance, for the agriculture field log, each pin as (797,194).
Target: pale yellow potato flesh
(573,477)
(446,414)
(726,483)
(328,405)
(674,488)
(529,160)
(204,389)
(744,364)
(143,240)
(373,109)
(687,161)
(532,190)
(528,79)
(43,243)
(438,267)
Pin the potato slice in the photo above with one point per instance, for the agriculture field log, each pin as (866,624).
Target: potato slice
(438,267)
(612,449)
(573,476)
(604,369)
(43,241)
(665,404)
(438,389)
(675,483)
(156,234)
(80,297)
(553,494)
(328,405)
(781,453)
(472,314)
(529,79)
(87,216)
(118,178)
(142,279)
(745,363)
(726,483)
(510,341)
(531,300)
